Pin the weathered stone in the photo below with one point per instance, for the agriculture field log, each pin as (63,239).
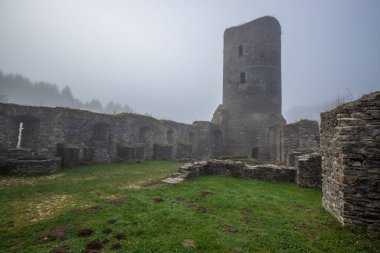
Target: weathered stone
(131,154)
(267,172)
(69,133)
(163,152)
(351,162)
(72,154)
(309,171)
(33,167)
(251,88)
(291,140)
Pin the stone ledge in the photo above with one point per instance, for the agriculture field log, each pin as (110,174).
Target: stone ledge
(266,172)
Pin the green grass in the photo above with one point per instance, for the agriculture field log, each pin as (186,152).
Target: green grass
(219,214)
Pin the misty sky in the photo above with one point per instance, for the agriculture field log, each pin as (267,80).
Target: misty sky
(165,57)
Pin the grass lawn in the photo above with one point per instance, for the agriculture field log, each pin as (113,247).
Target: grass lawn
(125,208)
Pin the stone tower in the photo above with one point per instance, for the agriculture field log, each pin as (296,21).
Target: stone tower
(251,87)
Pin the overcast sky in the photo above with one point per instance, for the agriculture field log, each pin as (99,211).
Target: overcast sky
(165,57)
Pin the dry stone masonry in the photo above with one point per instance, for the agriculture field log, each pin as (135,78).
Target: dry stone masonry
(350,142)
(267,172)
(309,170)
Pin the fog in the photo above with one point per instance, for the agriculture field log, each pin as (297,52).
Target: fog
(165,57)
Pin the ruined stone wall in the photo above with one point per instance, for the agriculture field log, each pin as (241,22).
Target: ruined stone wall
(45,128)
(288,141)
(210,139)
(234,169)
(350,142)
(309,171)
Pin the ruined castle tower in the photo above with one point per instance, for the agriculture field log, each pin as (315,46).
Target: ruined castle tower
(251,87)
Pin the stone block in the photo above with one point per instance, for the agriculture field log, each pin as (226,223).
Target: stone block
(163,152)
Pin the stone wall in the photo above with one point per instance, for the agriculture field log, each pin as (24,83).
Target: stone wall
(163,152)
(309,170)
(288,141)
(25,162)
(130,154)
(33,167)
(45,127)
(350,142)
(72,154)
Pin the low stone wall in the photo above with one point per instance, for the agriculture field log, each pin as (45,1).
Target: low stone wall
(350,142)
(33,167)
(309,171)
(234,169)
(293,154)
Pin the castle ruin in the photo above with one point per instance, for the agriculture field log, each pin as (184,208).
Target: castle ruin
(244,126)
(248,126)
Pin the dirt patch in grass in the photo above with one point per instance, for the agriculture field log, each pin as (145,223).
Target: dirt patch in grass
(244,219)
(300,226)
(130,186)
(138,184)
(9,181)
(188,243)
(85,232)
(116,246)
(94,246)
(61,249)
(111,221)
(87,210)
(81,179)
(192,206)
(246,209)
(203,209)
(158,199)
(180,200)
(205,194)
(56,233)
(107,231)
(35,209)
(120,236)
(119,201)
(104,241)
(229,229)
(152,182)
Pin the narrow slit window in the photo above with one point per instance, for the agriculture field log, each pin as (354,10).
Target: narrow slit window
(242,77)
(240,51)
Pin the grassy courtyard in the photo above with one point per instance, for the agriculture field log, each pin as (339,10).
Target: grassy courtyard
(125,208)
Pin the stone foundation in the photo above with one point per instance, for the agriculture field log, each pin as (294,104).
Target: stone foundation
(33,167)
(350,141)
(234,169)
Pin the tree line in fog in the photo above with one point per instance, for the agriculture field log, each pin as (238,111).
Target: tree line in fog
(15,88)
